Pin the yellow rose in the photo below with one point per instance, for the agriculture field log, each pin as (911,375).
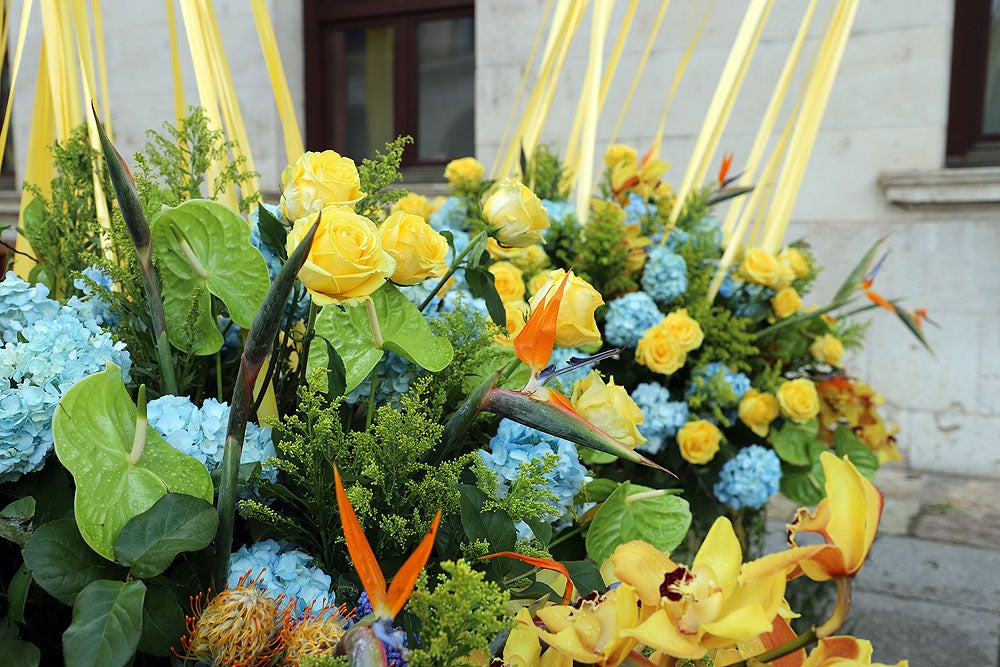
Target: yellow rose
(827,350)
(786,302)
(659,351)
(517,315)
(346,261)
(420,252)
(760,267)
(318,180)
(517,214)
(537,282)
(793,259)
(685,330)
(698,441)
(609,408)
(414,204)
(575,325)
(799,400)
(532,258)
(508,281)
(618,153)
(464,170)
(757,410)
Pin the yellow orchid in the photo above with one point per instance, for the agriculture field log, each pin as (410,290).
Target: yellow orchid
(847,519)
(844,652)
(712,604)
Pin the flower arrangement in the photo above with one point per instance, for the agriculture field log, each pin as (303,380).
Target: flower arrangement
(255,420)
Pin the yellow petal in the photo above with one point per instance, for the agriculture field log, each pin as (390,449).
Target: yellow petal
(745,622)
(660,633)
(721,551)
(642,566)
(855,507)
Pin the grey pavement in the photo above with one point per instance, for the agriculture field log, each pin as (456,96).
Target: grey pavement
(930,591)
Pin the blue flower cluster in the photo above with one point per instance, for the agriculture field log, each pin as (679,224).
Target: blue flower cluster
(628,317)
(661,417)
(638,209)
(749,479)
(558,210)
(516,444)
(281,569)
(273,262)
(451,216)
(394,376)
(201,432)
(709,227)
(93,305)
(751,301)
(51,348)
(738,383)
(665,275)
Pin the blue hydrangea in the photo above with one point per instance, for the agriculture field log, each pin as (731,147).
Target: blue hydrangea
(451,216)
(515,444)
(22,304)
(394,376)
(273,262)
(729,285)
(749,479)
(738,383)
(558,210)
(201,432)
(638,209)
(661,417)
(93,304)
(629,317)
(458,297)
(677,238)
(281,569)
(47,356)
(665,275)
(710,227)
(751,301)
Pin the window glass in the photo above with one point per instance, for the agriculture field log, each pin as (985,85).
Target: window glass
(368,103)
(445,89)
(991,98)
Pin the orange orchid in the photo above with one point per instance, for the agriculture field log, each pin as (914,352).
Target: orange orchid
(843,652)
(385,604)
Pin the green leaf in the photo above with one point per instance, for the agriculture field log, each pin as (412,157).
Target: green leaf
(405,332)
(107,624)
(17,653)
(802,486)
(586,576)
(494,527)
(847,444)
(662,521)
(93,429)
(541,529)
(791,442)
(207,234)
(596,491)
(481,284)
(162,621)
(853,280)
(62,563)
(272,232)
(15,520)
(177,523)
(17,593)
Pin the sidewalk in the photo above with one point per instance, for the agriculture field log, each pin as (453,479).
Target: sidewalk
(930,591)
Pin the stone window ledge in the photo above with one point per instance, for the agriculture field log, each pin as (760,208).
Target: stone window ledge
(942,187)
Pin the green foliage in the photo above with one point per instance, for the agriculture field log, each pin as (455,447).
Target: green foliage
(377,175)
(458,618)
(602,260)
(852,334)
(62,226)
(527,497)
(549,178)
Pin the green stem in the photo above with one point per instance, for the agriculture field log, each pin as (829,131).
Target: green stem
(565,536)
(218,375)
(307,340)
(803,640)
(455,265)
(370,417)
(812,314)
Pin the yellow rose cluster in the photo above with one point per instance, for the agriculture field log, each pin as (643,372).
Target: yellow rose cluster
(664,347)
(608,407)
(762,268)
(827,349)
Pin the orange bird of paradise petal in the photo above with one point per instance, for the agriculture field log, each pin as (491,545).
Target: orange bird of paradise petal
(545,563)
(385,604)
(727,162)
(533,345)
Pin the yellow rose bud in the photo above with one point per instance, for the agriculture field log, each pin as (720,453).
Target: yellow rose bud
(798,400)
(420,251)
(508,281)
(827,350)
(537,282)
(793,258)
(757,410)
(609,408)
(414,204)
(618,153)
(575,324)
(318,180)
(659,351)
(464,170)
(517,315)
(786,303)
(760,267)
(517,213)
(698,441)
(346,261)
(685,330)
(532,258)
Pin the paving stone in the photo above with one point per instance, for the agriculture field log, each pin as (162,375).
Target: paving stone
(950,525)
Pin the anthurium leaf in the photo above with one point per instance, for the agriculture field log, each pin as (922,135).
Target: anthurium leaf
(404,330)
(662,521)
(791,442)
(17,593)
(162,621)
(847,444)
(204,249)
(481,284)
(176,523)
(94,429)
(62,563)
(18,653)
(107,624)
(801,485)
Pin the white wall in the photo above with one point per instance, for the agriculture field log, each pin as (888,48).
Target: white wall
(888,112)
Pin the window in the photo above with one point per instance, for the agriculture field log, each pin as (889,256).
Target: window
(376,69)
(974,106)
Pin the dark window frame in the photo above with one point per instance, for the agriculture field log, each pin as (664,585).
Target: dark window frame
(322,16)
(967,144)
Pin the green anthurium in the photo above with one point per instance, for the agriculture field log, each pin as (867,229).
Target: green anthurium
(636,512)
(203,250)
(94,430)
(404,331)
